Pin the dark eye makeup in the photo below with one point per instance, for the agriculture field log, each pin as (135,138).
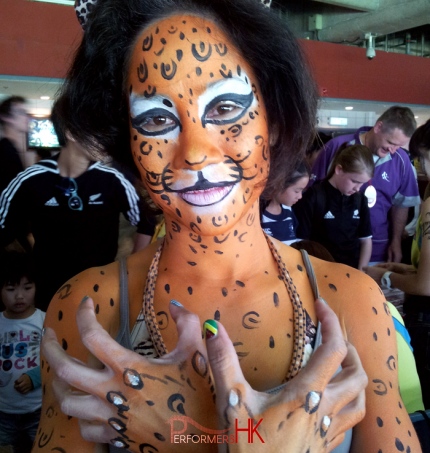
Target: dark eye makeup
(234,105)
(157,121)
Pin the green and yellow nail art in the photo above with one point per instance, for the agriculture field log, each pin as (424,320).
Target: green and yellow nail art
(210,328)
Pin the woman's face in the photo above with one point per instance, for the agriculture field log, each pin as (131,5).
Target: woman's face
(198,124)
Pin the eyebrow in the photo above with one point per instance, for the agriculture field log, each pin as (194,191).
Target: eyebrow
(144,103)
(235,82)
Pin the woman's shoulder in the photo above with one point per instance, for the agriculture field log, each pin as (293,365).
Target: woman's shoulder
(102,284)
(340,285)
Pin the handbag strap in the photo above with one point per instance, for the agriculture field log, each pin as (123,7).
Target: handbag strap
(123,336)
(314,285)
(310,272)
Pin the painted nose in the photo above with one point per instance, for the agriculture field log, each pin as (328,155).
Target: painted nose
(196,150)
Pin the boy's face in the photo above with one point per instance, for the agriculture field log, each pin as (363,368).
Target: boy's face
(18,299)
(18,118)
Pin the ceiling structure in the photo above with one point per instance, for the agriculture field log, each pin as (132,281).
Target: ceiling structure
(397,25)
(401,26)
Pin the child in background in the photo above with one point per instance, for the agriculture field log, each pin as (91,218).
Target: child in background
(335,213)
(20,335)
(277,218)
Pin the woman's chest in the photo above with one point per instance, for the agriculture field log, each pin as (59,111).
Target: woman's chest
(257,313)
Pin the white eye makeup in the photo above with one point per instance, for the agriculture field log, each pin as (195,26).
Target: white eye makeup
(223,102)
(154,117)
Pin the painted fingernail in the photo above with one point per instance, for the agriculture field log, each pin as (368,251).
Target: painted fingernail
(210,328)
(312,402)
(84,299)
(325,425)
(176,303)
(119,443)
(233,398)
(117,424)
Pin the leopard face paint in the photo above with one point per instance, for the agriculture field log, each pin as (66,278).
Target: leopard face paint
(198,125)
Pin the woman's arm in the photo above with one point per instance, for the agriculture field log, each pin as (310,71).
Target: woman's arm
(361,308)
(57,431)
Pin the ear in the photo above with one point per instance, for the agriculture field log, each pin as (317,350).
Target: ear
(338,169)
(273,136)
(5,119)
(69,137)
(377,127)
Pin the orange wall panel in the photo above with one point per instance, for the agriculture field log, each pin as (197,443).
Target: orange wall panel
(38,39)
(345,72)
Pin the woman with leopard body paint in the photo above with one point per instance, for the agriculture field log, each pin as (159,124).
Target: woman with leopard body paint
(207,100)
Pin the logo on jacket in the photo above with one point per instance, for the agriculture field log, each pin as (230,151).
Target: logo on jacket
(93,199)
(385,176)
(356,214)
(329,215)
(52,202)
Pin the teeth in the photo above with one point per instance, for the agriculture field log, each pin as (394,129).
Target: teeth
(206,197)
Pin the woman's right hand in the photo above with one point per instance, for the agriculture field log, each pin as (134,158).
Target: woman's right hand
(310,413)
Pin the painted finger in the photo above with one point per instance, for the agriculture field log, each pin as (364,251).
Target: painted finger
(328,357)
(233,392)
(222,356)
(68,369)
(350,380)
(349,416)
(97,340)
(103,434)
(81,405)
(344,398)
(189,334)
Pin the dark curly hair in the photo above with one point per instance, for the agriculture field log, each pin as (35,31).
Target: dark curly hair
(93,103)
(419,145)
(7,104)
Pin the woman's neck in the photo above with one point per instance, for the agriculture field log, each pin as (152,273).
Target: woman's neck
(239,248)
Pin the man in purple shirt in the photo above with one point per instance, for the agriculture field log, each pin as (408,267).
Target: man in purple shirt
(393,188)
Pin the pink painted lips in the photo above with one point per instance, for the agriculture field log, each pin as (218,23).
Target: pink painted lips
(206,197)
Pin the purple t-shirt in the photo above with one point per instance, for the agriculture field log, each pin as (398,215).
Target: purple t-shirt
(394,183)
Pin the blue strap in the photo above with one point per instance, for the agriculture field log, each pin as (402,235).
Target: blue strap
(402,331)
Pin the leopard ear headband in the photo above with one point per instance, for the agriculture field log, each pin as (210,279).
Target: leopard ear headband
(84,7)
